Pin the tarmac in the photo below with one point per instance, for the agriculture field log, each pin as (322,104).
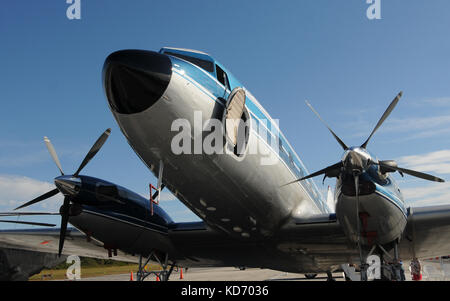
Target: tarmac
(220,274)
(228,274)
(432,271)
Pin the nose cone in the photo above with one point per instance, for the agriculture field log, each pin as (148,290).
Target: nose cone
(134,80)
(356,158)
(68,185)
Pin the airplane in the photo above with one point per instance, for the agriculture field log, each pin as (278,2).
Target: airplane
(253,215)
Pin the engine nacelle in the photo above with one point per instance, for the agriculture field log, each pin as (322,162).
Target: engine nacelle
(120,218)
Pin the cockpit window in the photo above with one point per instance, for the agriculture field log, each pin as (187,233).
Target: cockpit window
(204,64)
(106,192)
(222,77)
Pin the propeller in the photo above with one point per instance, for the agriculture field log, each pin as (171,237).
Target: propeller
(358,158)
(6,214)
(68,185)
(393,165)
(384,117)
(339,140)
(3,214)
(28,223)
(40,198)
(330,171)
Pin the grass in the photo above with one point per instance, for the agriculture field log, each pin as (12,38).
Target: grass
(90,271)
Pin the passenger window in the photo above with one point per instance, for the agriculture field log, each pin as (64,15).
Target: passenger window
(291,159)
(222,77)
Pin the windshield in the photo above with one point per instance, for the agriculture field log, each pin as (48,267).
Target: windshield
(204,64)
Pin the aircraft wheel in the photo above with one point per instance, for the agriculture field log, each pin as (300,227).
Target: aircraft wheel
(310,276)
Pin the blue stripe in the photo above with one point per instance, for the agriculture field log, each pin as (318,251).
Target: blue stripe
(391,198)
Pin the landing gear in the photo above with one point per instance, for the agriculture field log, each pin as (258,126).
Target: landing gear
(330,276)
(160,275)
(379,264)
(375,267)
(397,267)
(310,276)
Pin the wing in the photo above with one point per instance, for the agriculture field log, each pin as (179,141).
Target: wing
(312,244)
(46,241)
(309,244)
(427,233)
(317,243)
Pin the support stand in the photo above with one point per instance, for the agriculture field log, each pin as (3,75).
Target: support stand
(155,198)
(162,275)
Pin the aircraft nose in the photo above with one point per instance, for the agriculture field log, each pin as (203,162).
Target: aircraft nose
(134,80)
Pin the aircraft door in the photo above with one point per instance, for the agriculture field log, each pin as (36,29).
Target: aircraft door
(233,115)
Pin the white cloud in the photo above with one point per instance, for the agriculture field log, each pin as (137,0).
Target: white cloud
(415,123)
(438,101)
(429,194)
(16,190)
(14,160)
(433,194)
(413,127)
(436,162)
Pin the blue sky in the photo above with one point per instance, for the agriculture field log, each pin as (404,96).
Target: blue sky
(284,52)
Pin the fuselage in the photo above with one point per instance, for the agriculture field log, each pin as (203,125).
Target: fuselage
(235,193)
(150,92)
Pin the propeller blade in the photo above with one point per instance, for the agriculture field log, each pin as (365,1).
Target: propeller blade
(384,117)
(28,223)
(2,214)
(93,151)
(412,172)
(40,198)
(64,220)
(333,168)
(52,152)
(331,131)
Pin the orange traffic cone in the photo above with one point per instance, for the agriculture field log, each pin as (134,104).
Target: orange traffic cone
(181,273)
(131,276)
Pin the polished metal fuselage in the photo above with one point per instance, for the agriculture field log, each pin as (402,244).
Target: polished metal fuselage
(235,194)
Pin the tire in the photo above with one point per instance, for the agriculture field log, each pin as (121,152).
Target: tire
(310,276)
